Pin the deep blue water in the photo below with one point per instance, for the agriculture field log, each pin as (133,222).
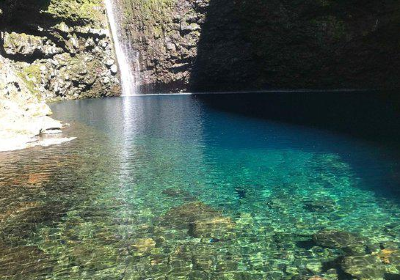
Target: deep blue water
(203,187)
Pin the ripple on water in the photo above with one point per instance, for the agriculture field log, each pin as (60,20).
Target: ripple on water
(181,201)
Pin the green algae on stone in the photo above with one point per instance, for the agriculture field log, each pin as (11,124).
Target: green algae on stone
(86,11)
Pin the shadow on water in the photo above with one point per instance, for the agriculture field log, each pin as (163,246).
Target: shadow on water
(369,115)
(351,119)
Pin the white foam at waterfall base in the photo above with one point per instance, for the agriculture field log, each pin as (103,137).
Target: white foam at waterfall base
(122,52)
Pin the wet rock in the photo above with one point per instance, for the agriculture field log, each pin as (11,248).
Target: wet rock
(389,256)
(363,267)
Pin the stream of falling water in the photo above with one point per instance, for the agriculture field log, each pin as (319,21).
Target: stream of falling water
(123,53)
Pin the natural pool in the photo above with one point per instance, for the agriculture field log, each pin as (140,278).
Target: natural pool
(169,187)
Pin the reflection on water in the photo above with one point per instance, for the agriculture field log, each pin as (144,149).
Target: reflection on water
(165,187)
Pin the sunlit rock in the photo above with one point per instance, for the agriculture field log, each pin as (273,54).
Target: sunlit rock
(364,267)
(29,45)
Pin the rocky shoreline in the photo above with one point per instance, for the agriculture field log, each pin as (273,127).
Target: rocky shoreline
(23,117)
(50,51)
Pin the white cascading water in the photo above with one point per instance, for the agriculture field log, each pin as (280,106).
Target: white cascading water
(122,51)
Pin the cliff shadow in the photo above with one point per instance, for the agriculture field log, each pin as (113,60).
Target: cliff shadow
(367,118)
(256,44)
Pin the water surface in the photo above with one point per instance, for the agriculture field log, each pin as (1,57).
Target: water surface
(169,187)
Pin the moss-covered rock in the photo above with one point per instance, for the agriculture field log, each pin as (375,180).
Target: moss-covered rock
(90,12)
(60,48)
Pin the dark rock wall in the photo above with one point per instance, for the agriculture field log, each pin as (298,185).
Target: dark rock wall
(165,33)
(204,45)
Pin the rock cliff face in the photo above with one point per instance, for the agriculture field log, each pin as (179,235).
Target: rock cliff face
(61,49)
(205,45)
(166,34)
(50,50)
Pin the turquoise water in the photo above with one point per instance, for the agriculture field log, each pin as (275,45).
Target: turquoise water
(168,187)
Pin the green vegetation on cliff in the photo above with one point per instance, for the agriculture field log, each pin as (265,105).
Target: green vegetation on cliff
(89,11)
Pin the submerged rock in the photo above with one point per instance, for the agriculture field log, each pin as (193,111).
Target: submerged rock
(389,256)
(349,242)
(182,216)
(35,262)
(38,178)
(143,246)
(363,267)
(217,228)
(320,206)
(200,221)
(314,267)
(316,278)
(172,192)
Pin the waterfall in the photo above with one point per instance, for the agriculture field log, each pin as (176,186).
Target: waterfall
(122,52)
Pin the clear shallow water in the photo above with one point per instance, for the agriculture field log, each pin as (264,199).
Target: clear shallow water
(167,187)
